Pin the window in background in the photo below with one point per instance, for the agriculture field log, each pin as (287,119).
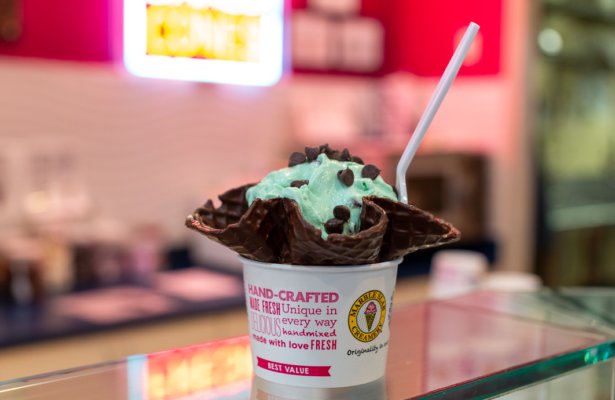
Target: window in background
(576,142)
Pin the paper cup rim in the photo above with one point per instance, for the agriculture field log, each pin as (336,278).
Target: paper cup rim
(339,269)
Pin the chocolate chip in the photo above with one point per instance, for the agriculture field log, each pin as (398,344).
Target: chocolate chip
(312,153)
(341,213)
(345,156)
(334,225)
(346,176)
(370,171)
(296,158)
(358,160)
(299,183)
(327,150)
(335,155)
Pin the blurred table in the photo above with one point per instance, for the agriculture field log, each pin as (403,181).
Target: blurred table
(548,344)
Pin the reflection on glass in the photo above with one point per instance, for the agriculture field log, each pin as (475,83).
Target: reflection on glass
(217,370)
(264,390)
(483,345)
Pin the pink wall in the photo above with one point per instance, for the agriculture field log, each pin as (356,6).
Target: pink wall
(148,150)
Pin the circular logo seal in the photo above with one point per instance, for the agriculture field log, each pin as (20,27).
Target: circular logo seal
(366,316)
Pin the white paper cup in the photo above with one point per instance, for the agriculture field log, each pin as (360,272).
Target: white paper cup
(319,326)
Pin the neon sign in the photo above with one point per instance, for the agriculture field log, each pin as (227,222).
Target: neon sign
(225,41)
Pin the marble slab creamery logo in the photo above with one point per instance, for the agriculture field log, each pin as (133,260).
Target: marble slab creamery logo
(366,316)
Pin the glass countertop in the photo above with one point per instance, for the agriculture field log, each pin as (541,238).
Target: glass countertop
(481,345)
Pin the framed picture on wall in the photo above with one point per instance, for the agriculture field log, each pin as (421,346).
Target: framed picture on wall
(337,37)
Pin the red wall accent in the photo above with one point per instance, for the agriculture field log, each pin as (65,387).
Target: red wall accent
(65,30)
(419,35)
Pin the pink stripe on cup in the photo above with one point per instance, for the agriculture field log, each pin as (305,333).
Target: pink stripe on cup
(291,369)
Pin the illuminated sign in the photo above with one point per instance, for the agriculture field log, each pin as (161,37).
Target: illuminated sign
(225,41)
(211,371)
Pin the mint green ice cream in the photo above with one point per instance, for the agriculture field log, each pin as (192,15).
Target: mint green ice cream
(323,191)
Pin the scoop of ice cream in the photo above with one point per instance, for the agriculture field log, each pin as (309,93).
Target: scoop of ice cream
(371,308)
(329,192)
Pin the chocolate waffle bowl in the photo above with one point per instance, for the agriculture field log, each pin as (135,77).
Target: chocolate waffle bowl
(275,231)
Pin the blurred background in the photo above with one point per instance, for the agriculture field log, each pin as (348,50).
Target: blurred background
(118,120)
